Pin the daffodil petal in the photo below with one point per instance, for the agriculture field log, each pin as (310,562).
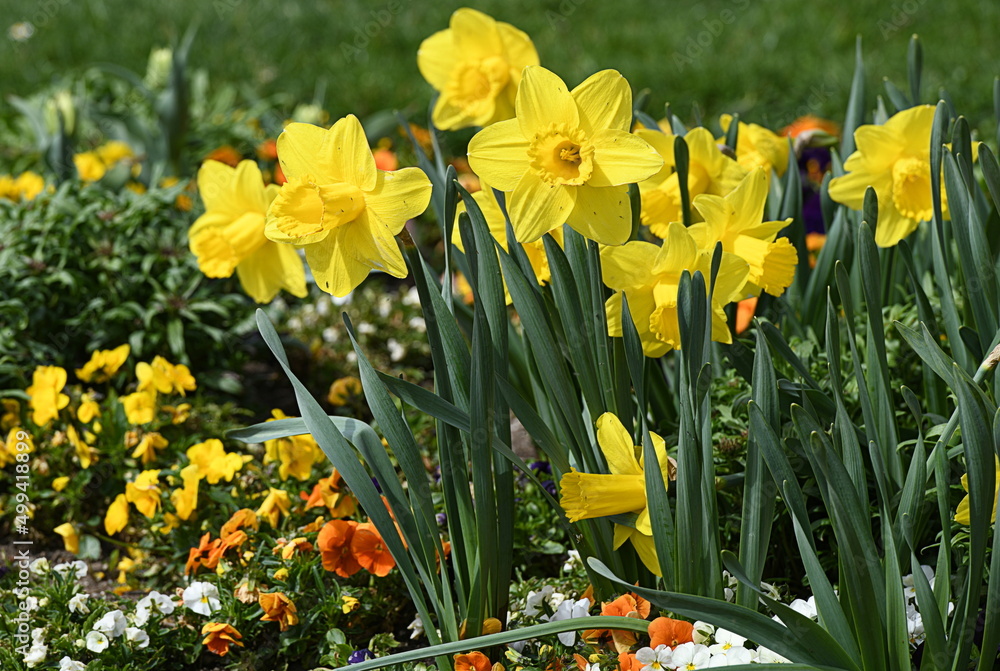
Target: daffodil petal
(605,102)
(270,269)
(617,446)
(399,195)
(499,154)
(543,100)
(628,265)
(622,158)
(436,57)
(337,262)
(603,214)
(340,154)
(537,207)
(475,34)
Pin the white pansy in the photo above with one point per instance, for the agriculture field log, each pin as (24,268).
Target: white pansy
(38,636)
(731,657)
(36,655)
(112,624)
(909,588)
(572,561)
(535,600)
(137,637)
(154,602)
(416,627)
(724,640)
(97,642)
(77,568)
(29,604)
(40,566)
(569,609)
(658,659)
(202,598)
(690,656)
(67,664)
(702,632)
(768,656)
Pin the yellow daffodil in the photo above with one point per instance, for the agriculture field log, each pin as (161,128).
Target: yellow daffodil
(185,499)
(117,516)
(342,389)
(893,159)
(709,171)
(963,514)
(475,65)
(59,484)
(164,377)
(71,539)
(45,391)
(758,147)
(567,157)
(342,210)
(650,277)
(140,407)
(535,251)
(103,364)
(144,492)
(147,447)
(297,454)
(213,462)
(735,221)
(230,235)
(84,452)
(275,504)
(88,410)
(623,490)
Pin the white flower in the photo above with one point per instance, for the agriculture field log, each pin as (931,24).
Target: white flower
(572,561)
(202,598)
(364,328)
(30,604)
(768,656)
(724,640)
(396,350)
(411,297)
(342,301)
(67,664)
(731,657)
(592,667)
(384,306)
(659,659)
(38,636)
(566,610)
(137,636)
(112,624)
(535,599)
(690,656)
(40,566)
(330,335)
(97,642)
(36,655)
(78,604)
(152,604)
(909,588)
(807,608)
(417,627)
(418,324)
(79,568)
(703,632)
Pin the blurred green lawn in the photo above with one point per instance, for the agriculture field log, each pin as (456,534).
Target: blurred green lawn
(769,60)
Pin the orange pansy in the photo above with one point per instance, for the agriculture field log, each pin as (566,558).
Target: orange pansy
(472,661)
(278,608)
(334,543)
(370,550)
(670,632)
(220,637)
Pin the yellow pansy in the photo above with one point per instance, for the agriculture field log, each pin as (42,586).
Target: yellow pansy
(893,159)
(164,377)
(144,492)
(88,410)
(185,499)
(213,462)
(103,364)
(147,447)
(475,65)
(567,157)
(275,504)
(623,490)
(25,186)
(350,603)
(735,221)
(117,516)
(342,210)
(71,540)
(84,452)
(709,171)
(535,251)
(59,484)
(11,413)
(758,147)
(89,166)
(297,454)
(230,235)
(45,391)
(650,275)
(113,151)
(963,514)
(342,389)
(140,407)
(178,413)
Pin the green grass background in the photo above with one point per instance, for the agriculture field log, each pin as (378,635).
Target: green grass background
(769,60)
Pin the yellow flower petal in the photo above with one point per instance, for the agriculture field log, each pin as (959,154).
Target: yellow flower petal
(269,270)
(622,158)
(499,154)
(617,446)
(117,515)
(542,100)
(605,102)
(603,214)
(339,154)
(537,207)
(71,540)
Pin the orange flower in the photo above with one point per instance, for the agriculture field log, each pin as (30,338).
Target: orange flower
(385,159)
(370,551)
(669,632)
(241,518)
(327,493)
(628,662)
(225,154)
(267,150)
(627,605)
(745,310)
(278,608)
(472,661)
(288,548)
(207,554)
(220,637)
(809,123)
(334,543)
